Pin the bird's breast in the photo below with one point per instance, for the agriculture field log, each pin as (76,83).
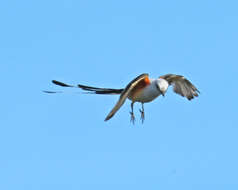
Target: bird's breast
(145,94)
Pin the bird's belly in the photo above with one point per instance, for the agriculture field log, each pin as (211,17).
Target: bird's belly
(146,95)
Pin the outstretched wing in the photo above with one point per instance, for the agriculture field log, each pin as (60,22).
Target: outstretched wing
(90,89)
(181,85)
(125,94)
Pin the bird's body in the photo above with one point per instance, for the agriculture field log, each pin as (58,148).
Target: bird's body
(142,89)
(146,93)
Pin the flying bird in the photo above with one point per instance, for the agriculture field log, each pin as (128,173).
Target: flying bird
(142,89)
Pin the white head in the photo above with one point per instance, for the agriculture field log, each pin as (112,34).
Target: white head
(162,85)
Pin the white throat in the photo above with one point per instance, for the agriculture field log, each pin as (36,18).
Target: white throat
(163,84)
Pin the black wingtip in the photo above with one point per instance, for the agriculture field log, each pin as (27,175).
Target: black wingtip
(108,117)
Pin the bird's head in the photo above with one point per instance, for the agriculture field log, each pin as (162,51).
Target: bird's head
(162,85)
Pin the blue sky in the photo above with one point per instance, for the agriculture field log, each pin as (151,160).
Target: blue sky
(60,141)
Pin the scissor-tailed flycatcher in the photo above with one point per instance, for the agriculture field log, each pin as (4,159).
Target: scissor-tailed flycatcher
(142,89)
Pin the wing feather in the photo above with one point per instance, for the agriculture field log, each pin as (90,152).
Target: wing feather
(125,94)
(182,86)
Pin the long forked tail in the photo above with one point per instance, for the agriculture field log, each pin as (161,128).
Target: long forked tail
(89,89)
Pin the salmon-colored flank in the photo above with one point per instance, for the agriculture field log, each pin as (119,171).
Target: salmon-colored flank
(137,89)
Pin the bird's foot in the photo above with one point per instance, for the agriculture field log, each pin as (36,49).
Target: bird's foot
(142,117)
(132,118)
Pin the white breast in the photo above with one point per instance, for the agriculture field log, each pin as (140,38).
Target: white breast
(148,94)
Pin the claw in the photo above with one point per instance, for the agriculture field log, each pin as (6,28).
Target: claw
(132,118)
(142,116)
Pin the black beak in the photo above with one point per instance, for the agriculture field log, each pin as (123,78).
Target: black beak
(162,94)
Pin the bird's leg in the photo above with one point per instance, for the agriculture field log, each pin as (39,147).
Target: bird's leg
(142,113)
(132,113)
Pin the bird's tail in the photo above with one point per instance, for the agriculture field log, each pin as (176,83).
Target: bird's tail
(89,89)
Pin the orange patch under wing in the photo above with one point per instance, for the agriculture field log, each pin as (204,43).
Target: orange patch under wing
(147,80)
(138,88)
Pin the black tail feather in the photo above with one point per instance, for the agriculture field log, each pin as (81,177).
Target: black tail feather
(91,89)
(51,92)
(61,83)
